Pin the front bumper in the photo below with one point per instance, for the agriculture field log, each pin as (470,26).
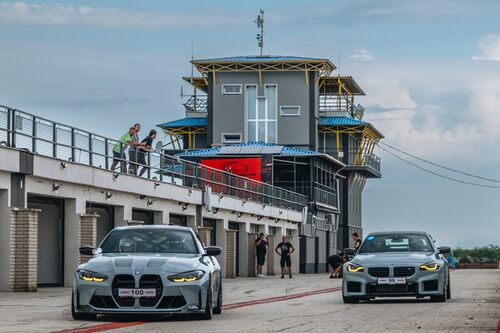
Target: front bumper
(362,285)
(171,297)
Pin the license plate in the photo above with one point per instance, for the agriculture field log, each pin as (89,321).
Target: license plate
(397,280)
(136,293)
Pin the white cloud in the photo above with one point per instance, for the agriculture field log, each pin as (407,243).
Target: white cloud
(489,46)
(387,94)
(362,54)
(107,17)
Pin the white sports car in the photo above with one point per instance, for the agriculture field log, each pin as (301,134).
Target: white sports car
(148,270)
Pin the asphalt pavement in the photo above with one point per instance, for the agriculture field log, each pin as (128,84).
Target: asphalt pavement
(306,303)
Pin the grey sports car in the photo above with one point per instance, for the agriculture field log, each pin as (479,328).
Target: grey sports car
(397,264)
(148,270)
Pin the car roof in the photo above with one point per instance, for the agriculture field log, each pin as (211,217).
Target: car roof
(378,233)
(148,226)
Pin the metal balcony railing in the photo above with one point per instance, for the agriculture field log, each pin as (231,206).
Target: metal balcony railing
(332,103)
(355,157)
(196,104)
(40,136)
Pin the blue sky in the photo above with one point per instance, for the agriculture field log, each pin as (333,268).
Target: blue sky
(430,70)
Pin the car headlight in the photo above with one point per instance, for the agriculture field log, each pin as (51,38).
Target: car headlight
(91,276)
(187,276)
(353,268)
(430,266)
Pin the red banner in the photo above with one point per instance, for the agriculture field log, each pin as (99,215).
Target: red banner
(250,167)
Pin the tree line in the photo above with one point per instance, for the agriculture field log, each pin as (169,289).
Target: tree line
(484,254)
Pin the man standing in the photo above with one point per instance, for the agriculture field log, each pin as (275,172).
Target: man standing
(119,150)
(147,145)
(132,152)
(261,250)
(285,250)
(357,241)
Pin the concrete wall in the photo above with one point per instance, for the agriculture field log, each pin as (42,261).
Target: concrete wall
(229,110)
(82,186)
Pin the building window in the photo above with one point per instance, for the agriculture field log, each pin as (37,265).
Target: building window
(290,110)
(261,114)
(231,137)
(231,89)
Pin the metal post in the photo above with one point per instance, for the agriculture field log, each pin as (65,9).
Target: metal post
(91,149)
(149,164)
(9,127)
(13,119)
(73,155)
(106,153)
(54,140)
(33,136)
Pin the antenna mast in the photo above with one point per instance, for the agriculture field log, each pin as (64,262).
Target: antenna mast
(260,25)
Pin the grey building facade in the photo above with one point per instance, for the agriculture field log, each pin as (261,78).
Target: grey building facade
(292,102)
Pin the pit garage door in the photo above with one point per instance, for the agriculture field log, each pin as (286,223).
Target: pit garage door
(105,221)
(145,216)
(50,240)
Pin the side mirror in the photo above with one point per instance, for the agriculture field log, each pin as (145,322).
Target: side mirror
(87,250)
(213,251)
(444,249)
(350,251)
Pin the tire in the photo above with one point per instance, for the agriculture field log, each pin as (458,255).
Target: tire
(349,300)
(218,308)
(448,289)
(207,315)
(440,298)
(80,315)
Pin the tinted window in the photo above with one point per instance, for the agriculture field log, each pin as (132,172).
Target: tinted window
(396,243)
(149,240)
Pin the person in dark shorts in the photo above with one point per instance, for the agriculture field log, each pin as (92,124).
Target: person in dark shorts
(336,261)
(119,150)
(260,250)
(284,250)
(146,146)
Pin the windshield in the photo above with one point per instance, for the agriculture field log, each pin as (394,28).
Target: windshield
(396,243)
(149,240)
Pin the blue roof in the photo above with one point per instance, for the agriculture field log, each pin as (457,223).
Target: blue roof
(263,58)
(284,149)
(185,122)
(341,121)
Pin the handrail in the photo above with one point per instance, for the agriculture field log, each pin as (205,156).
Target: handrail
(19,129)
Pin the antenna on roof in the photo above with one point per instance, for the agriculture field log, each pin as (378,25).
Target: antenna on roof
(192,58)
(260,25)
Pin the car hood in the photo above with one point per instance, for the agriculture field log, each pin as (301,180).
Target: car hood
(123,262)
(393,258)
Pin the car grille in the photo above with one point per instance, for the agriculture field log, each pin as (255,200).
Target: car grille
(103,302)
(151,281)
(123,281)
(404,271)
(171,302)
(379,271)
(353,287)
(410,288)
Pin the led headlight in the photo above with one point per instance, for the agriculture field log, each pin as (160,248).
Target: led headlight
(430,266)
(187,276)
(353,268)
(91,276)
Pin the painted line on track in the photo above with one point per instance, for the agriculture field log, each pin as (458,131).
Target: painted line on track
(498,327)
(226,307)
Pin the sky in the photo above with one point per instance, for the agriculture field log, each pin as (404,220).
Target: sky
(430,69)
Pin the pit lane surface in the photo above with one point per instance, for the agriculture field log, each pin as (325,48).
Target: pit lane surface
(304,303)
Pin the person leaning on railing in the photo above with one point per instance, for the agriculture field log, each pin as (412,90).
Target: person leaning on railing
(119,150)
(147,144)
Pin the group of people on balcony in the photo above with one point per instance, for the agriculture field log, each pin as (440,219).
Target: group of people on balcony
(137,151)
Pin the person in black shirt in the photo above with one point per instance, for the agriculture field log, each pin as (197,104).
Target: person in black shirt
(336,261)
(357,241)
(146,145)
(284,250)
(261,250)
